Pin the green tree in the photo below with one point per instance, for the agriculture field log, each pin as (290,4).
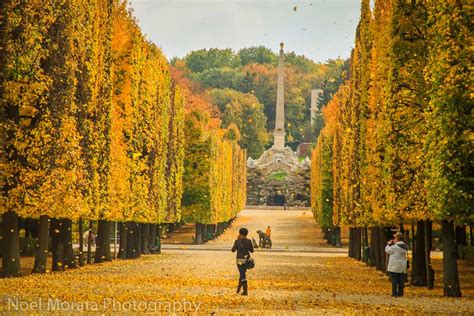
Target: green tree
(257,55)
(224,77)
(243,110)
(300,62)
(200,60)
(450,125)
(335,74)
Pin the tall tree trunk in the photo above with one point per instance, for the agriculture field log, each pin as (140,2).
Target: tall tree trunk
(221,228)
(461,237)
(330,236)
(357,246)
(122,254)
(213,230)
(427,239)
(81,243)
(152,241)
(57,248)
(114,226)
(461,241)
(133,241)
(210,231)
(138,241)
(131,232)
(10,245)
(158,237)
(27,227)
(89,243)
(351,242)
(102,247)
(470,236)
(66,240)
(373,247)
(144,238)
(204,233)
(27,245)
(198,234)
(99,242)
(418,267)
(61,244)
(377,249)
(337,235)
(41,255)
(107,243)
(102,252)
(365,244)
(450,267)
(382,243)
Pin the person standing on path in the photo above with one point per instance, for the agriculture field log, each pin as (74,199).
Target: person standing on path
(397,263)
(268,232)
(244,247)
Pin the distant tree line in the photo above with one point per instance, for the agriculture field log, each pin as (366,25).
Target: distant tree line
(244,85)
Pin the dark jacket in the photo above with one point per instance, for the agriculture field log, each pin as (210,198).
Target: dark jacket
(243,247)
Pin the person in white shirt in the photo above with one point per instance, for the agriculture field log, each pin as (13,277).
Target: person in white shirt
(397,263)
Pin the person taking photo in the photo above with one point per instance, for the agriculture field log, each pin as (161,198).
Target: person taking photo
(397,263)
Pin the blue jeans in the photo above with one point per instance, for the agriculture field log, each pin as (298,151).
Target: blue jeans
(398,283)
(242,270)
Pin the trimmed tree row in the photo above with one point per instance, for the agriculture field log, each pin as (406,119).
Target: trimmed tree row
(395,150)
(92,131)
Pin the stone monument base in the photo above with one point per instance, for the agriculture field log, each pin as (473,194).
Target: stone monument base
(278,178)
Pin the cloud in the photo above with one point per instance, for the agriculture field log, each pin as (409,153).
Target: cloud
(180,26)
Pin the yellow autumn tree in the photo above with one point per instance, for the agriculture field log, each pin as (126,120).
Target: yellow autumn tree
(90,118)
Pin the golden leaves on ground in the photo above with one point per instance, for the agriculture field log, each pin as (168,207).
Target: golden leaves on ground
(288,282)
(282,282)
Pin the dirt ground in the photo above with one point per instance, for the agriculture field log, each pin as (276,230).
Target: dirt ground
(301,275)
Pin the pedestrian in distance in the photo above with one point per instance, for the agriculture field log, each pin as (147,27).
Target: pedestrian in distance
(397,263)
(243,246)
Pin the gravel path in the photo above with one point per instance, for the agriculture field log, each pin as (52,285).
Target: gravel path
(301,278)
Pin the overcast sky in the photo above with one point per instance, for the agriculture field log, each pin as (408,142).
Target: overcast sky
(318,29)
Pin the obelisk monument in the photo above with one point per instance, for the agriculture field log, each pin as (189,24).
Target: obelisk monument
(315,95)
(279,132)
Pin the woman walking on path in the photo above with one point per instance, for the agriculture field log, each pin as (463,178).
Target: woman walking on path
(397,263)
(244,247)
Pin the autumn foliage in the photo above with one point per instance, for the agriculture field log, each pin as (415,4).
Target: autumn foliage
(93,125)
(397,142)
(215,165)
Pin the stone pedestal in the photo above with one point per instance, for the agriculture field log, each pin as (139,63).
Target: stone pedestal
(278,178)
